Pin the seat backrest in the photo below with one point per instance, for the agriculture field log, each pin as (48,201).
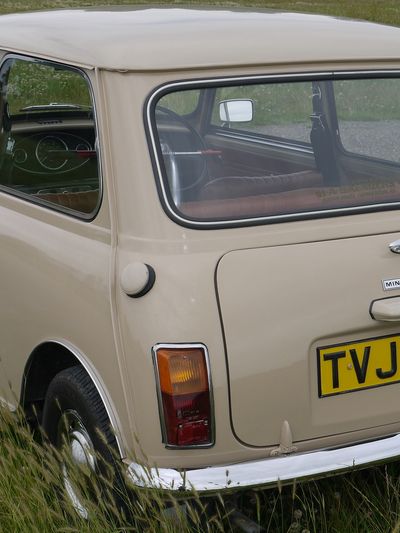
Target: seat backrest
(82,201)
(242,186)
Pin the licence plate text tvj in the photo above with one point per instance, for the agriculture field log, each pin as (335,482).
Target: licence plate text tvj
(358,365)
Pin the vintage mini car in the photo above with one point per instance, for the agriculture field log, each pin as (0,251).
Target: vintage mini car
(199,232)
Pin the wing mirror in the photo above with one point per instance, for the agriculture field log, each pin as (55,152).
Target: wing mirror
(236,110)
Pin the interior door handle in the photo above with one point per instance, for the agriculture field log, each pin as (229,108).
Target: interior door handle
(387,309)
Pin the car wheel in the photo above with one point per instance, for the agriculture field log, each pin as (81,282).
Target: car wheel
(76,424)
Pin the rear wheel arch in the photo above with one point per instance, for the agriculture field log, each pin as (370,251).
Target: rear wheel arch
(44,363)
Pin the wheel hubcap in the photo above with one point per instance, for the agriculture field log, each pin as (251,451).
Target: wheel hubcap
(73,440)
(81,447)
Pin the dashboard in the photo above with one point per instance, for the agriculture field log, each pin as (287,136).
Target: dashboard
(46,153)
(57,147)
(51,152)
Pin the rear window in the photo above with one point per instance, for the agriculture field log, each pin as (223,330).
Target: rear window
(278,149)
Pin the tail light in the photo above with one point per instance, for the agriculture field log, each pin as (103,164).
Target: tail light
(184,390)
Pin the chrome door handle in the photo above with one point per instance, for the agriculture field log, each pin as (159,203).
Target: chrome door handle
(386,310)
(395,247)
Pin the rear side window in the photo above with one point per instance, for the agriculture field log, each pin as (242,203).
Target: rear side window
(48,136)
(276,150)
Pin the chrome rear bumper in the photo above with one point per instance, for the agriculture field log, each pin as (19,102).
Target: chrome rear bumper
(268,472)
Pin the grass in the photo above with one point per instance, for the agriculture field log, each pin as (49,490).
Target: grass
(32,499)
(31,495)
(34,83)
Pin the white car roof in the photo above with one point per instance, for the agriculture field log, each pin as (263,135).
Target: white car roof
(153,39)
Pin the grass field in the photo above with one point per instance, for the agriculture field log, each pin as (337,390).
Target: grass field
(31,498)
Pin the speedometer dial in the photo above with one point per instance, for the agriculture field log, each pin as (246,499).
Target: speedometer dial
(51,152)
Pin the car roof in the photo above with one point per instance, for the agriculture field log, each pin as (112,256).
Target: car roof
(157,38)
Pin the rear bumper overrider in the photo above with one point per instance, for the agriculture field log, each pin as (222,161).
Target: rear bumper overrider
(268,472)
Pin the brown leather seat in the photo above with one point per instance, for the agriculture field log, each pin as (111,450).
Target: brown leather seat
(295,201)
(240,186)
(82,201)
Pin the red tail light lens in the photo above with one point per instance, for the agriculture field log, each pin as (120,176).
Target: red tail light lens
(185,399)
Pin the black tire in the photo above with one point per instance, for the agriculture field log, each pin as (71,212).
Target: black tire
(72,391)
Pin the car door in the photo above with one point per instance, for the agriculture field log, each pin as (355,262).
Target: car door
(54,228)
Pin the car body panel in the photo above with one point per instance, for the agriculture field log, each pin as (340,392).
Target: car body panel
(189,259)
(278,305)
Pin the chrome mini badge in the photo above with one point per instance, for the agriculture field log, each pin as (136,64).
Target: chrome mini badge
(391,284)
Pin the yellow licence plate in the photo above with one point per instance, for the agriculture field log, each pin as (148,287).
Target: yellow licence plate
(358,365)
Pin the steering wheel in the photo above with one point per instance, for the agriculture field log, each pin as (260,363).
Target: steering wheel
(180,144)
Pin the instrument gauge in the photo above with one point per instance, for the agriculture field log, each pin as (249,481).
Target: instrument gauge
(51,152)
(20,156)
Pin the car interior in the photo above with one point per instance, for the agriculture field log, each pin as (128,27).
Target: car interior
(48,147)
(227,169)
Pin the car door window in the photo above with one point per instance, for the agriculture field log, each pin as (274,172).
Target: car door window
(48,136)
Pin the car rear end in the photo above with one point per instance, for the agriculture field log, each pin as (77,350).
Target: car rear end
(268,346)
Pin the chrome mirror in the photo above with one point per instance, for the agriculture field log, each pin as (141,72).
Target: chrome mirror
(236,110)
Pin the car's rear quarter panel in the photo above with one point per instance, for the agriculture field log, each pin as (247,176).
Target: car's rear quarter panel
(183,307)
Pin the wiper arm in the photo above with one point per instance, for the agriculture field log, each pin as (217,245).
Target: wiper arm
(55,105)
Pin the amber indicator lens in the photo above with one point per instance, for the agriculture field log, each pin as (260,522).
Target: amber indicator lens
(185,395)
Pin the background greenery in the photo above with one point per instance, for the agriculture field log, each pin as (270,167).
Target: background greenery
(31,496)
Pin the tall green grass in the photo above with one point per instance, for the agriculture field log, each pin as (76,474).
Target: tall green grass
(33,499)
(40,84)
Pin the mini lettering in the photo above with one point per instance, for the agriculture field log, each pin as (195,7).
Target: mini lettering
(391,284)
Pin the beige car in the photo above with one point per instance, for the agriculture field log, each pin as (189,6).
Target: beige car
(200,238)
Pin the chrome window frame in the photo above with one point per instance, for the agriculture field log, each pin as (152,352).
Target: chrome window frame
(156,156)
